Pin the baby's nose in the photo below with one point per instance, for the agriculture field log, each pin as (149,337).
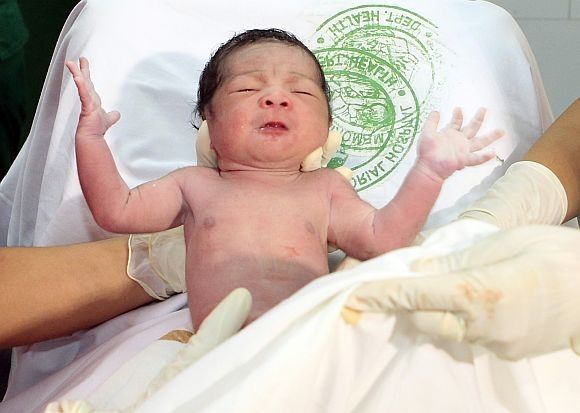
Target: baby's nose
(275,99)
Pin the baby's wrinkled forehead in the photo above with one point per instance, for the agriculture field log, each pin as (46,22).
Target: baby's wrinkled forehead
(240,60)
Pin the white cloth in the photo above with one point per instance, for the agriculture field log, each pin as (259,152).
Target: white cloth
(393,61)
(303,357)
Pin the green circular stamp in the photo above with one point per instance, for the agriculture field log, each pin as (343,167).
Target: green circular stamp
(380,62)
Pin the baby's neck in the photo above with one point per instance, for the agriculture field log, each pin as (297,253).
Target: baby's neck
(272,177)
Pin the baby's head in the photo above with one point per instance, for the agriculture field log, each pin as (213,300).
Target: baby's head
(266,101)
(213,74)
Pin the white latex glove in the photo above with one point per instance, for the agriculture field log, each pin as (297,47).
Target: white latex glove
(516,292)
(226,319)
(157,262)
(528,193)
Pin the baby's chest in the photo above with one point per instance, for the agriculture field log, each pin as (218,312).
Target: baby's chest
(268,211)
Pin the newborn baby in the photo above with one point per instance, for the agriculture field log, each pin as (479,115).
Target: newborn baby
(258,221)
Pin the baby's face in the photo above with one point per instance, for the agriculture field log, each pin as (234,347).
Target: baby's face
(270,111)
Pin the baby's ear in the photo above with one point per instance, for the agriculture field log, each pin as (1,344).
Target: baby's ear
(206,155)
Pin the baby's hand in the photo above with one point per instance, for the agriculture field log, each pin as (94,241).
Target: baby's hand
(452,148)
(93,120)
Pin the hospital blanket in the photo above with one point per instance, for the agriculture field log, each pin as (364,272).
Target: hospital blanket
(303,357)
(388,64)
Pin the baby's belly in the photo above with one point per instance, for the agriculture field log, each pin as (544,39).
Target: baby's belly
(269,279)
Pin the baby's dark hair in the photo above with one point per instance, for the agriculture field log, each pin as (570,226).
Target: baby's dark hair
(212,75)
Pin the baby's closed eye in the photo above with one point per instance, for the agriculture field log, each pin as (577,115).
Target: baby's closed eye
(303,92)
(246,90)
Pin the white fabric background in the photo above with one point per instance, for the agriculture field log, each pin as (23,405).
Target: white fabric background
(146,57)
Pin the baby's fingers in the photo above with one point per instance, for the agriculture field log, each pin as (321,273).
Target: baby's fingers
(473,126)
(73,68)
(82,78)
(88,104)
(111,118)
(485,140)
(431,123)
(477,158)
(80,70)
(456,119)
(84,65)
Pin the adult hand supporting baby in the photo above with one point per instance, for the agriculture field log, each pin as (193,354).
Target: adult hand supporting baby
(514,292)
(225,320)
(157,262)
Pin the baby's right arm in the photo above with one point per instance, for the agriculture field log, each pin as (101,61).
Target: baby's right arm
(150,207)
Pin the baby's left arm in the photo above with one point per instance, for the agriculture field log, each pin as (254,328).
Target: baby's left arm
(452,148)
(364,232)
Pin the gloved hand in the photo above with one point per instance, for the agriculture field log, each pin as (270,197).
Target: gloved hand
(225,320)
(157,262)
(528,193)
(515,292)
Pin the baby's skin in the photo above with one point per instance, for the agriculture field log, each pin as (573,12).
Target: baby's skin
(257,221)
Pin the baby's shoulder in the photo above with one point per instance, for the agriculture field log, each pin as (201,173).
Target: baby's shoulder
(326,173)
(197,172)
(333,177)
(196,175)
(331,180)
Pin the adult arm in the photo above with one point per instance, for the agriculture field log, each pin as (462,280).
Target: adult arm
(49,292)
(558,149)
(544,188)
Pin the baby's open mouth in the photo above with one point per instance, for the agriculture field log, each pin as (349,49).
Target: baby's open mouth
(274,125)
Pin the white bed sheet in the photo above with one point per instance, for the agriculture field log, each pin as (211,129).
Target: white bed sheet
(146,56)
(302,357)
